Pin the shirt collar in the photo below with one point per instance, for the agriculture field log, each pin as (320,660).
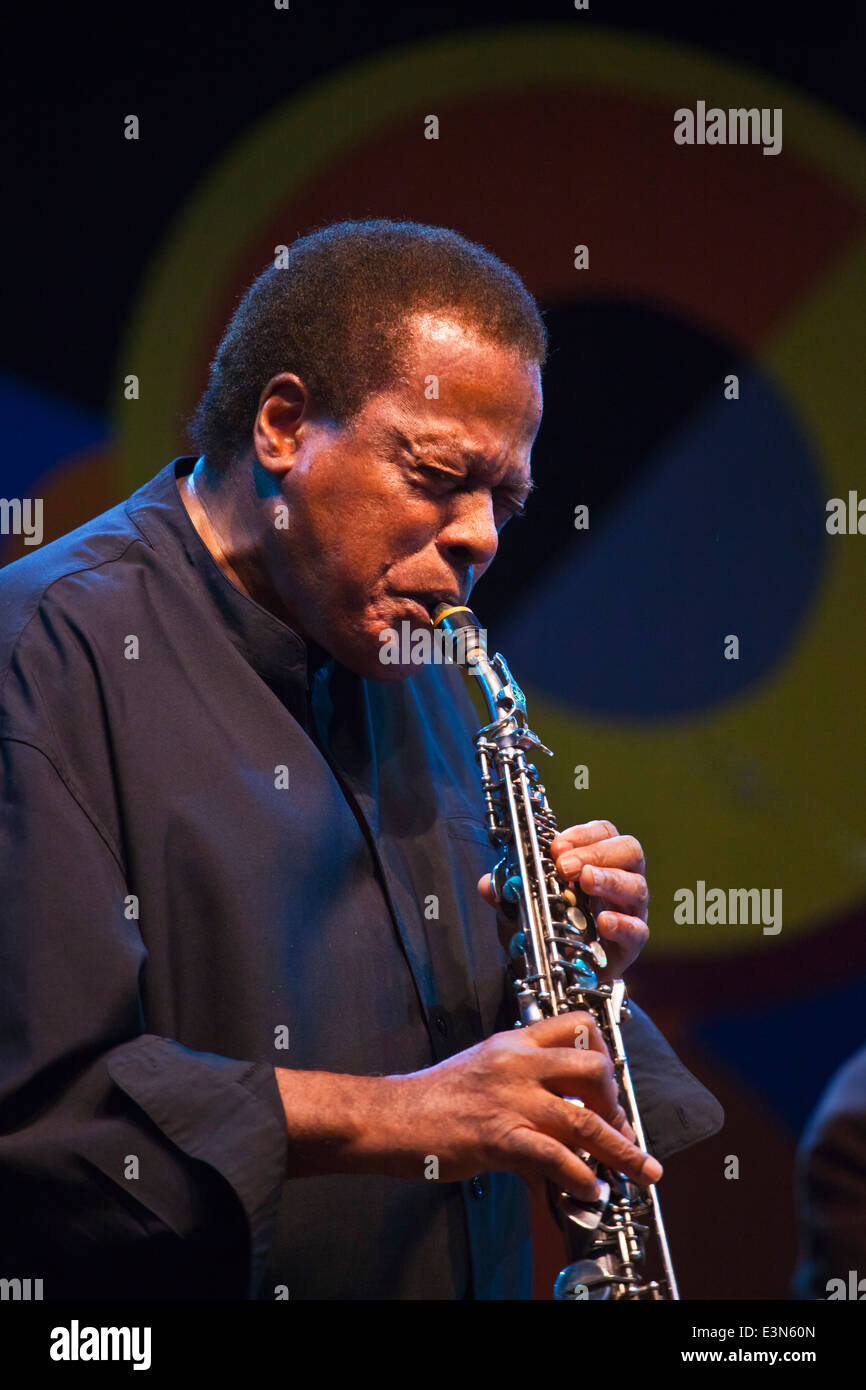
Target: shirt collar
(278,654)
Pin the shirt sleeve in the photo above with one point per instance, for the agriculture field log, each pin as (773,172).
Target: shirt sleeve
(130,1166)
(675,1108)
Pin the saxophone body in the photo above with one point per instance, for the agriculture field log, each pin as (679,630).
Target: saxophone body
(557,956)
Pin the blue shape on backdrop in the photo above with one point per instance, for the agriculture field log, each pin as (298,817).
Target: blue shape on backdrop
(39,431)
(723,533)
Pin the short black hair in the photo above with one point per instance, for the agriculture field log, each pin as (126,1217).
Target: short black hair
(334,313)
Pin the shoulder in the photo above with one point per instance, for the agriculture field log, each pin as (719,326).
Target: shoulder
(55,603)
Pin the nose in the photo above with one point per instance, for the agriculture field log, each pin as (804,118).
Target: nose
(469,537)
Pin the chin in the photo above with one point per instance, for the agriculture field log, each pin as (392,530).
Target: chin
(360,653)
(365,652)
(368,663)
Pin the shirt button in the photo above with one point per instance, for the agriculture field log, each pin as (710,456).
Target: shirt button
(477,1187)
(442,1024)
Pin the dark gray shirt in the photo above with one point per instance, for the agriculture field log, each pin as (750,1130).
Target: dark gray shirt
(219,856)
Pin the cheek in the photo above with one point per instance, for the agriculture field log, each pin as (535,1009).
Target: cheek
(362,535)
(392,530)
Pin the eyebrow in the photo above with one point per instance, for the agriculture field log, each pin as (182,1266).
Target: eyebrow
(523,490)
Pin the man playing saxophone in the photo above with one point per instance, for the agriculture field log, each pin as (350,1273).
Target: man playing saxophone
(257,1038)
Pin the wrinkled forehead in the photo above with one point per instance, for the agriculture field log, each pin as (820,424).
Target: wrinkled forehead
(456,388)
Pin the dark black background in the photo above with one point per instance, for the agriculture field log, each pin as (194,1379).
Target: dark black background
(85,208)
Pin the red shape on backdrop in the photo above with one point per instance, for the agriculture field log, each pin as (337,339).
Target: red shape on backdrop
(532,173)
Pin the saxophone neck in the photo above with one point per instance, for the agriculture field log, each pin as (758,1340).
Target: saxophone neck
(468,643)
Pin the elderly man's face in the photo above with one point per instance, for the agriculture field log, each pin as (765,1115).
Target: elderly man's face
(403,507)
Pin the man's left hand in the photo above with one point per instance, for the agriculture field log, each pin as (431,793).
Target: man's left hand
(609,868)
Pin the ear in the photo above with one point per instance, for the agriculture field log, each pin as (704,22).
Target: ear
(283,411)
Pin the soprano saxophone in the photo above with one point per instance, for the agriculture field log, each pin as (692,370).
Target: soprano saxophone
(557,956)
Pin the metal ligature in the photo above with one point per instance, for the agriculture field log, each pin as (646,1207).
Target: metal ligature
(557,957)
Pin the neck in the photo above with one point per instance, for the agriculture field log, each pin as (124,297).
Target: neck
(203,495)
(230,527)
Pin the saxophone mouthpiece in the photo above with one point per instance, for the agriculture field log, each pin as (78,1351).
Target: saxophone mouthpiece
(467,638)
(452,617)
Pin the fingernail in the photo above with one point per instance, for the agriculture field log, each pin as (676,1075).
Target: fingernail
(595,878)
(652,1170)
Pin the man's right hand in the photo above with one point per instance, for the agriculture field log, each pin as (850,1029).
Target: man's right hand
(498,1106)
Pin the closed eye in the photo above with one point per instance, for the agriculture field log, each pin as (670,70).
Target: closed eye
(438,474)
(515,508)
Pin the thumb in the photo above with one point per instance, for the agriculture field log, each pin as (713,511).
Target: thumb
(485,888)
